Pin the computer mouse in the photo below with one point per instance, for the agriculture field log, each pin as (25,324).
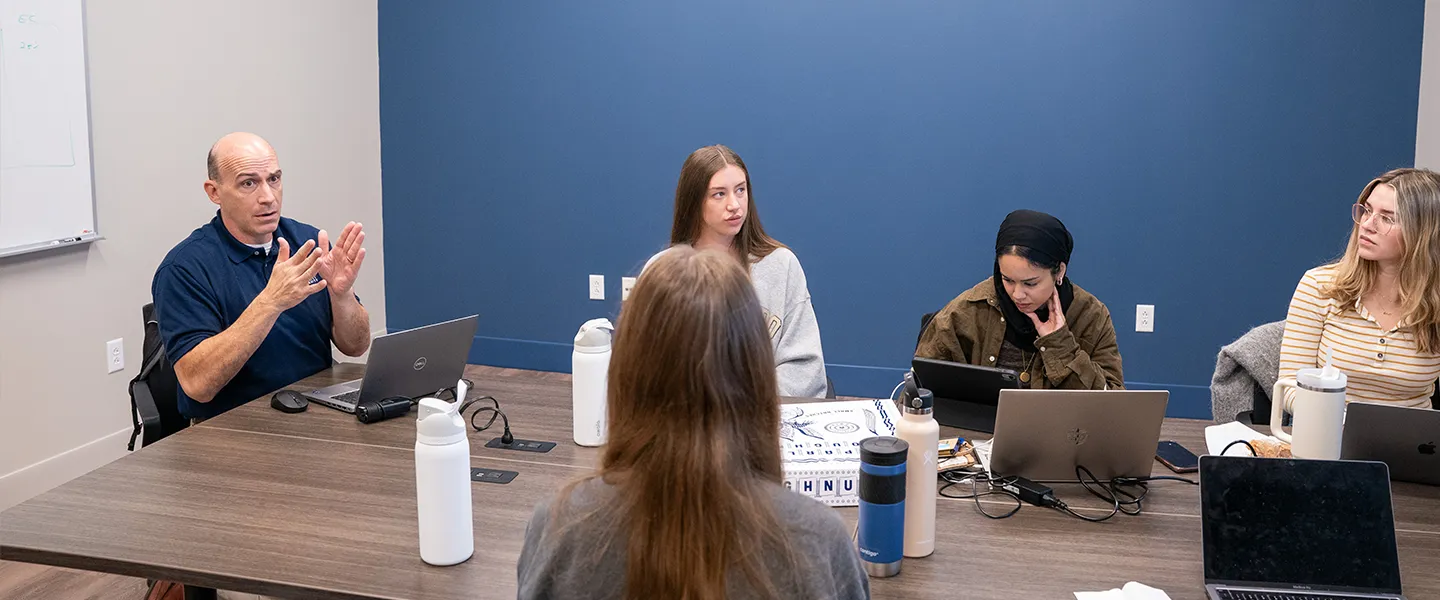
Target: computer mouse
(289,401)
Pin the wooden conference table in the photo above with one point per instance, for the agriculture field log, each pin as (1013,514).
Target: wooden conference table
(317,505)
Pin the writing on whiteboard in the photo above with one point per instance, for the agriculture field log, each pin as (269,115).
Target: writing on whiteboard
(39,132)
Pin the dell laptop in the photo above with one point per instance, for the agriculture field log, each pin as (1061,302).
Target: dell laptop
(1285,528)
(1403,438)
(965,395)
(410,363)
(1042,435)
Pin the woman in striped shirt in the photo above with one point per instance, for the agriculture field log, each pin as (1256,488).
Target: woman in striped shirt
(1378,307)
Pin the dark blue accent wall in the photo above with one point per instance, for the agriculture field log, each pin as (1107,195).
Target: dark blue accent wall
(1204,154)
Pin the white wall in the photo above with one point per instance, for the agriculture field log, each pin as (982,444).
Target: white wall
(168,78)
(1427,126)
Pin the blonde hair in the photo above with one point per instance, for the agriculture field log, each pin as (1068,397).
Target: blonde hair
(1417,193)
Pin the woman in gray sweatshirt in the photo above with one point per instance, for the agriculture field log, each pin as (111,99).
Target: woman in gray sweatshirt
(687,501)
(714,210)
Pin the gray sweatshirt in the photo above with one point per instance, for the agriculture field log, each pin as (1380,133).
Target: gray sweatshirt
(780,284)
(573,558)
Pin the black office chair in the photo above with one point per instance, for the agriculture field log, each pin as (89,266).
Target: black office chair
(153,392)
(1259,413)
(924,322)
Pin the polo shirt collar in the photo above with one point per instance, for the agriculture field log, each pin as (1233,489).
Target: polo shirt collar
(235,249)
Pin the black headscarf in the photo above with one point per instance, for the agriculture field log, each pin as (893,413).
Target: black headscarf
(1046,236)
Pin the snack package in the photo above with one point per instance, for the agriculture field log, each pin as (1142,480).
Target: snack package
(955,453)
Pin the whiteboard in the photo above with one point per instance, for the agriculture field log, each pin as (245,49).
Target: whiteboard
(47,191)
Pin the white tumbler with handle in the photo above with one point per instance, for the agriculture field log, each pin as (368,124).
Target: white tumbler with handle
(1318,410)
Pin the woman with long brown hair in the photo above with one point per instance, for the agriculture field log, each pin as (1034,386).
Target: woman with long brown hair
(715,210)
(688,501)
(1378,307)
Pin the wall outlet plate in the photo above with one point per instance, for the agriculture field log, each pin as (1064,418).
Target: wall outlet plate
(597,287)
(492,475)
(1145,318)
(115,355)
(626,283)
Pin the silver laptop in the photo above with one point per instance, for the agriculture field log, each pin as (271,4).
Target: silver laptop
(1403,438)
(409,363)
(1284,528)
(1043,434)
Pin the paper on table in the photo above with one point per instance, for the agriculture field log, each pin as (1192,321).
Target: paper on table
(1219,436)
(982,453)
(1131,591)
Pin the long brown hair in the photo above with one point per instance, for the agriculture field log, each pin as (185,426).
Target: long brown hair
(695,174)
(693,428)
(1417,198)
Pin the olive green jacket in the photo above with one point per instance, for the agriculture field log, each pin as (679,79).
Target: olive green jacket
(1082,355)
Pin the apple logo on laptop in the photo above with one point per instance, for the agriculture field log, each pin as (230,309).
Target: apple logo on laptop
(420,363)
(1427,448)
(1077,436)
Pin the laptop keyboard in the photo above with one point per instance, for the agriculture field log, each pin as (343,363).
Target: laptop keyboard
(1251,595)
(351,397)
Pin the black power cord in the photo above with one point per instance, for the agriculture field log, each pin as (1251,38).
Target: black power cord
(1247,445)
(953,478)
(493,411)
(1124,494)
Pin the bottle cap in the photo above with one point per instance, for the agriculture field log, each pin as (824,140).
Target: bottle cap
(594,336)
(921,403)
(439,423)
(1327,379)
(883,451)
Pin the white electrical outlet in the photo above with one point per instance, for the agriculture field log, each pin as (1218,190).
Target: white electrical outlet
(625,284)
(115,355)
(597,287)
(1145,318)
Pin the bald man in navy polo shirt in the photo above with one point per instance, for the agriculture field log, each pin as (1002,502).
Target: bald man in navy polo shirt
(251,301)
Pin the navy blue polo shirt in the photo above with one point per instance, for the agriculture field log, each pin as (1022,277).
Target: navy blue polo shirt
(203,286)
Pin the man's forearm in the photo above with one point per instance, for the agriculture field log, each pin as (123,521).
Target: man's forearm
(351,324)
(210,365)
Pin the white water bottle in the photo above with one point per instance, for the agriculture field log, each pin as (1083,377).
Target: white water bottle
(590,367)
(918,428)
(442,482)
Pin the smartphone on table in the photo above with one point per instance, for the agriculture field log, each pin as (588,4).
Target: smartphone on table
(1176,457)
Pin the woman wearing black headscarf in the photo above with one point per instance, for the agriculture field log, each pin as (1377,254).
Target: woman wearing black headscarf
(1028,317)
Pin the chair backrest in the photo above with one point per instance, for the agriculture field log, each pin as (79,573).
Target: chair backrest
(924,322)
(1259,407)
(153,393)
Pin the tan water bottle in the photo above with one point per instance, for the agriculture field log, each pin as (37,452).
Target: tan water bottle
(918,428)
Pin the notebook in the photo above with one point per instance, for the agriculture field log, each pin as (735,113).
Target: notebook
(820,445)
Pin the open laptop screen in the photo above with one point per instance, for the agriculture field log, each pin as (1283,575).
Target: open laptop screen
(1288,522)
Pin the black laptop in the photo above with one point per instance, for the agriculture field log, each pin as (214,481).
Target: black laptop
(1284,528)
(965,395)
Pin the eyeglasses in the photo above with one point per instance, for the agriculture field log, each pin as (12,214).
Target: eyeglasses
(1383,223)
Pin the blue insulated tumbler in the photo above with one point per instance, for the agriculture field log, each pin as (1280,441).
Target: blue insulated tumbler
(882,504)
